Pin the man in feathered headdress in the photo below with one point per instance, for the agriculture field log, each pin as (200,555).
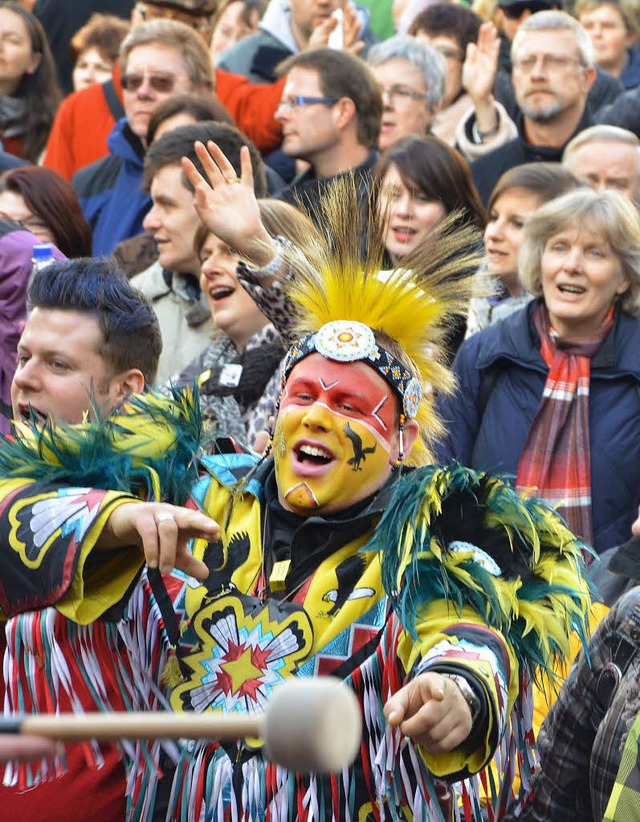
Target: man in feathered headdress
(435,593)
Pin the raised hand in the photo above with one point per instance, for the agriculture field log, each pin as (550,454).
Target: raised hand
(432,711)
(481,64)
(226,204)
(350,28)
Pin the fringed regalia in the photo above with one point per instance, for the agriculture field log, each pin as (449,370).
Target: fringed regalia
(441,569)
(403,590)
(85,631)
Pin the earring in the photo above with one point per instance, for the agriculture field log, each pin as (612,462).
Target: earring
(401,440)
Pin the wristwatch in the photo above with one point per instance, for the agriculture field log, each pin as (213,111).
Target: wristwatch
(468,693)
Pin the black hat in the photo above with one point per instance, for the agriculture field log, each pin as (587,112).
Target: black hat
(530,5)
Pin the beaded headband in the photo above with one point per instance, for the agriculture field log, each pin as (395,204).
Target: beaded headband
(350,341)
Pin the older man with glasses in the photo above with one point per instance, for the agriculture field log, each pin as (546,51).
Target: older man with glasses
(552,73)
(159,59)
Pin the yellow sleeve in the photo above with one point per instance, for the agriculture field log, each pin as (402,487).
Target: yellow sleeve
(449,640)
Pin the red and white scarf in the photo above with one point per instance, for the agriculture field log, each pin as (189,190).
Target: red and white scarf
(556,459)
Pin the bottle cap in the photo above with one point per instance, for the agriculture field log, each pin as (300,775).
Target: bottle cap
(42,251)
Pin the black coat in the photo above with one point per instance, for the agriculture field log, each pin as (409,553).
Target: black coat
(487,170)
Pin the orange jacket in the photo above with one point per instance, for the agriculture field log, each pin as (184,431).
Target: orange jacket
(85,119)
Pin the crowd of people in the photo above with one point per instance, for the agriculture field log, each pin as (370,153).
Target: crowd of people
(334,371)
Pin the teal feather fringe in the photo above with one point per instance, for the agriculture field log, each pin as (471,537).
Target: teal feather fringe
(538,597)
(148,446)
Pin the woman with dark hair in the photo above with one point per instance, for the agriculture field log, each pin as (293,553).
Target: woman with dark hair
(29,92)
(518,193)
(423,180)
(47,205)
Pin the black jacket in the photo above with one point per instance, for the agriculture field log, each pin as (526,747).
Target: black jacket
(487,170)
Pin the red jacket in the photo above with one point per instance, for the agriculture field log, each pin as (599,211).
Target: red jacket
(85,119)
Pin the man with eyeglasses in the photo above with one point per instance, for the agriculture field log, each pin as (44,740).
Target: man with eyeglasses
(159,59)
(85,118)
(330,114)
(552,73)
(509,16)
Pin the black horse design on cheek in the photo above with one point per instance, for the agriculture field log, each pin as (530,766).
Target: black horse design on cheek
(359,453)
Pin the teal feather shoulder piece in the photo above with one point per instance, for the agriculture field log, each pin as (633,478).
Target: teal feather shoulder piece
(147,446)
(469,538)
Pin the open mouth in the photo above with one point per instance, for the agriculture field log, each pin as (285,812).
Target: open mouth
(403,234)
(571,289)
(31,414)
(313,455)
(221,292)
(309,460)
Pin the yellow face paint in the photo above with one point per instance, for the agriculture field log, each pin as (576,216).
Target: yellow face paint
(335,437)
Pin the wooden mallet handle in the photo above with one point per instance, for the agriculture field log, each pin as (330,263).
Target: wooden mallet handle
(309,725)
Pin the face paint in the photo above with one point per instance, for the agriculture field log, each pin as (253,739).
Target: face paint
(336,435)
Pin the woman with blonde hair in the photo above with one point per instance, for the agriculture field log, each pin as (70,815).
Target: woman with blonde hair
(551,395)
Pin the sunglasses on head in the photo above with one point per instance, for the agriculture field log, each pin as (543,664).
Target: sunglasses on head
(162,83)
(516,10)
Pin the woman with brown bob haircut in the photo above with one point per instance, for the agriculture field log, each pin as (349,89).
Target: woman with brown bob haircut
(47,205)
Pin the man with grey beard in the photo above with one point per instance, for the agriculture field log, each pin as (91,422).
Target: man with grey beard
(553,71)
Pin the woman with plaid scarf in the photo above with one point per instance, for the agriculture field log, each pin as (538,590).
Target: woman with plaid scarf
(552,394)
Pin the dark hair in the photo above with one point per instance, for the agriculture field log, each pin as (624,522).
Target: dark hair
(546,180)
(343,75)
(449,20)
(104,32)
(249,7)
(200,108)
(178,143)
(53,199)
(39,90)
(129,326)
(439,172)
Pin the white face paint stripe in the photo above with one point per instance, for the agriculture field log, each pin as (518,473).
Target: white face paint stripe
(374,413)
(296,409)
(327,387)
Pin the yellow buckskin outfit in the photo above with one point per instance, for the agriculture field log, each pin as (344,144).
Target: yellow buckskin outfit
(441,569)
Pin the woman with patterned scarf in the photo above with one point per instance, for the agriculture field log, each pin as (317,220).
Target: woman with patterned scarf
(552,394)
(29,92)
(238,373)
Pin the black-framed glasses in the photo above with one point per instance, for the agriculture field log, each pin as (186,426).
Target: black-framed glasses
(295,102)
(402,95)
(162,83)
